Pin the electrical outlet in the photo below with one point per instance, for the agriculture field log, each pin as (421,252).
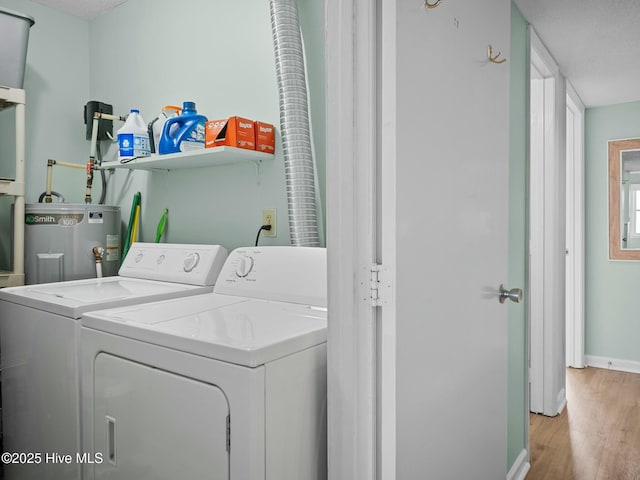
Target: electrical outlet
(269,218)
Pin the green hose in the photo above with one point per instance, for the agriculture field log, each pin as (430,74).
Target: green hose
(127,241)
(161,225)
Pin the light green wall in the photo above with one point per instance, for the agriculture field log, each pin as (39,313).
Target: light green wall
(221,58)
(517,381)
(611,287)
(57,87)
(146,54)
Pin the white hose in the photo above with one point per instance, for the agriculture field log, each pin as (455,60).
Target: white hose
(294,124)
(98,253)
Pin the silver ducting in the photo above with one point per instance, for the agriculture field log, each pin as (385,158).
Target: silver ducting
(294,123)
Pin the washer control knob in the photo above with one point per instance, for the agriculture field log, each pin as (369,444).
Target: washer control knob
(160,259)
(244,266)
(139,257)
(191,261)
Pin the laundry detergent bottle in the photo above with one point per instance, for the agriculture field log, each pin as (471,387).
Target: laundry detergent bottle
(156,125)
(133,139)
(189,134)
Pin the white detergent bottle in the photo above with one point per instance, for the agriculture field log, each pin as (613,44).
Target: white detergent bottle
(133,138)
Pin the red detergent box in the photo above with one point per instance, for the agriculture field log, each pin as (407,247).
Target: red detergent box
(232,132)
(265,137)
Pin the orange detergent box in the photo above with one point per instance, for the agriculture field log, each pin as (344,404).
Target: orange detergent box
(265,137)
(232,132)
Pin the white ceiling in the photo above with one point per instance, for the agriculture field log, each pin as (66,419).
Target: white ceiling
(596,43)
(82,8)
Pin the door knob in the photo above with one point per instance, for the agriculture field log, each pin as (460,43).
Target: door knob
(515,294)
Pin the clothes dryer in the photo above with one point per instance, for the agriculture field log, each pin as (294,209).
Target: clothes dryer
(39,335)
(229,385)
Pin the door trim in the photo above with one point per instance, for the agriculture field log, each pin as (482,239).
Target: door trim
(351,54)
(575,230)
(387,228)
(547,241)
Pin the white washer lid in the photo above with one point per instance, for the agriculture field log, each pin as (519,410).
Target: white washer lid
(227,328)
(72,298)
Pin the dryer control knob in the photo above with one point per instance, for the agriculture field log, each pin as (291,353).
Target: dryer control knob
(191,261)
(244,266)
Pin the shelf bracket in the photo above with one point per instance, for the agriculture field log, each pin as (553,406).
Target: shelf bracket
(258,164)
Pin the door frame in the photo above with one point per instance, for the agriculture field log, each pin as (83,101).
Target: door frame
(351,63)
(575,230)
(547,244)
(536,240)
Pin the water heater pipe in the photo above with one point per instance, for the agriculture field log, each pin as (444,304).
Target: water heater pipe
(294,124)
(50,164)
(98,253)
(90,166)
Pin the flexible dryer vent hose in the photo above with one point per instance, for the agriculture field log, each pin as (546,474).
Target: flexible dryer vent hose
(294,124)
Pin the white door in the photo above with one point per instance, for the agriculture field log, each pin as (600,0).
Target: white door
(449,247)
(150,424)
(417,168)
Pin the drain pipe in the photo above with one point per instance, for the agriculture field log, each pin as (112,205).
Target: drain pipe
(294,124)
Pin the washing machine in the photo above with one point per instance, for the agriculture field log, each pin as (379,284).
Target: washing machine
(39,348)
(228,385)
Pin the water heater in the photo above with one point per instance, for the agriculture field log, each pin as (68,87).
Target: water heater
(60,237)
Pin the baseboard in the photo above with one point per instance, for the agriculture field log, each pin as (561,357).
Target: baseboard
(520,467)
(561,401)
(630,366)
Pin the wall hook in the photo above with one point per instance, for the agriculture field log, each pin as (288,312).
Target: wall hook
(492,58)
(431,5)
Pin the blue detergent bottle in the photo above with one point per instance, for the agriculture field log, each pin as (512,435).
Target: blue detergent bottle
(184,132)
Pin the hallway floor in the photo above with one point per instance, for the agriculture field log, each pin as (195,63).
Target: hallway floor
(597,436)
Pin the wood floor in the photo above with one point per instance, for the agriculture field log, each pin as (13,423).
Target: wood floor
(597,436)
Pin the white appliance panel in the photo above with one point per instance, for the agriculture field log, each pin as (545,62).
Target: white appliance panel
(40,391)
(296,415)
(72,299)
(263,356)
(105,291)
(286,274)
(182,263)
(243,387)
(143,417)
(40,331)
(250,332)
(288,445)
(156,281)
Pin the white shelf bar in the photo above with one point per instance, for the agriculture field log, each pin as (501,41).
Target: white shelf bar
(208,157)
(15,97)
(18,208)
(11,187)
(11,279)
(11,96)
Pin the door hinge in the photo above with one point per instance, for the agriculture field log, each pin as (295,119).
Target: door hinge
(380,284)
(228,433)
